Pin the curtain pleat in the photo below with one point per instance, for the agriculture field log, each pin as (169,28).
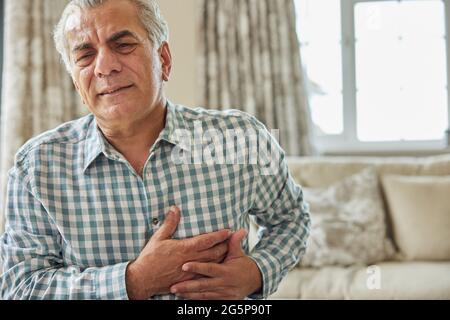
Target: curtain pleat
(38,94)
(251,61)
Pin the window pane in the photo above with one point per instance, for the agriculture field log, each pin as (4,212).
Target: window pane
(323,65)
(318,20)
(401,115)
(401,70)
(319,32)
(327,113)
(392,19)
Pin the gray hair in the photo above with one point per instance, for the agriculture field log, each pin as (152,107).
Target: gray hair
(149,14)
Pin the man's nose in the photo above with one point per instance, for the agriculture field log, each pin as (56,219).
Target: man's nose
(106,63)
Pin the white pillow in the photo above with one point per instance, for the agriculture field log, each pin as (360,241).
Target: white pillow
(347,223)
(420,210)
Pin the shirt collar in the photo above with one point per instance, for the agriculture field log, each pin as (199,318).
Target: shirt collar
(174,131)
(96,144)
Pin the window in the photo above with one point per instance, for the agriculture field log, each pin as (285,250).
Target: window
(377,72)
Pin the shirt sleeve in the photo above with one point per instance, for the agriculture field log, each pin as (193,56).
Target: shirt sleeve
(281,214)
(31,252)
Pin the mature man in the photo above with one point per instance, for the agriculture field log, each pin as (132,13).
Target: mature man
(87,201)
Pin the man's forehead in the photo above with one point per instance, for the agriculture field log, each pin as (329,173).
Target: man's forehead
(81,25)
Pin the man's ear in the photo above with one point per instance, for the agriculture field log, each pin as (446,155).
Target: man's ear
(166,60)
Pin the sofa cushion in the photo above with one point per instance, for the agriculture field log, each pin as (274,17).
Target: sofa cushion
(435,166)
(420,212)
(318,172)
(397,280)
(323,171)
(347,222)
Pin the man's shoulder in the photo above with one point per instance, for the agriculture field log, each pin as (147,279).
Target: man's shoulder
(72,132)
(220,119)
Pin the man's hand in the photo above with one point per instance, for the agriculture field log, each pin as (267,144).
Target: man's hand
(236,278)
(160,263)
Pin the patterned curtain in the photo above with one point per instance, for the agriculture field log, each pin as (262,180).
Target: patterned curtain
(38,93)
(251,61)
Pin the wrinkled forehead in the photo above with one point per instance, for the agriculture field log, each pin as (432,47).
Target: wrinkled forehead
(99,23)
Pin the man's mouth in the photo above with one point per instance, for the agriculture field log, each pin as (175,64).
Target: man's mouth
(114,90)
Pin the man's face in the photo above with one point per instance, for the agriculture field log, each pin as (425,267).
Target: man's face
(116,69)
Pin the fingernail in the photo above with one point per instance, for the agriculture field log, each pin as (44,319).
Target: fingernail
(185,268)
(172,210)
(173,290)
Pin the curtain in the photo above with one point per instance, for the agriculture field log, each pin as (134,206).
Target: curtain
(251,61)
(38,94)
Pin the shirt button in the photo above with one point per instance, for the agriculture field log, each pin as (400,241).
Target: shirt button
(155,221)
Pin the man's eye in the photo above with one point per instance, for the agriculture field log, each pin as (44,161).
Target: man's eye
(126,46)
(85,57)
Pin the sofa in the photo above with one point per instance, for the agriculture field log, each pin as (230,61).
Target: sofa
(414,196)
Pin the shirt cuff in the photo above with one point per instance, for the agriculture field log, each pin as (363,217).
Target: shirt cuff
(263,264)
(111,284)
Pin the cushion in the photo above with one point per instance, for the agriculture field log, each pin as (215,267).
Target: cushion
(347,223)
(320,172)
(397,280)
(420,213)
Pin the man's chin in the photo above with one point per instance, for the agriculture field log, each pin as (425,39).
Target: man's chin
(116,112)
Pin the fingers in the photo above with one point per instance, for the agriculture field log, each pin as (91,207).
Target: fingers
(234,245)
(237,237)
(169,226)
(206,296)
(209,240)
(216,254)
(196,285)
(206,269)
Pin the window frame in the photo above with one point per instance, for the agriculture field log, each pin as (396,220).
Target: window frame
(348,142)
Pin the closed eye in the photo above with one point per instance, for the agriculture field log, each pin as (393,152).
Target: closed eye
(126,47)
(85,57)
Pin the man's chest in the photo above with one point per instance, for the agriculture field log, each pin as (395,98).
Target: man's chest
(107,215)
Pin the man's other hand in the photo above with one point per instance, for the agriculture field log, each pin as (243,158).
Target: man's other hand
(160,263)
(234,279)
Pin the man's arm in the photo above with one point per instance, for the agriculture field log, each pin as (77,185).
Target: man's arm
(34,267)
(280,212)
(32,258)
(284,223)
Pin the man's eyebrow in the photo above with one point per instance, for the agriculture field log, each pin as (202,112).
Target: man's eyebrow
(117,36)
(81,47)
(122,34)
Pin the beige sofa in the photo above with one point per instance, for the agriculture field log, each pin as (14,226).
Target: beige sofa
(404,275)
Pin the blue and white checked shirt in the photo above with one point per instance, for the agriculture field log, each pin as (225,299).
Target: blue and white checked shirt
(77,212)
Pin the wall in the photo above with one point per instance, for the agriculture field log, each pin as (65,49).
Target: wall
(181,17)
